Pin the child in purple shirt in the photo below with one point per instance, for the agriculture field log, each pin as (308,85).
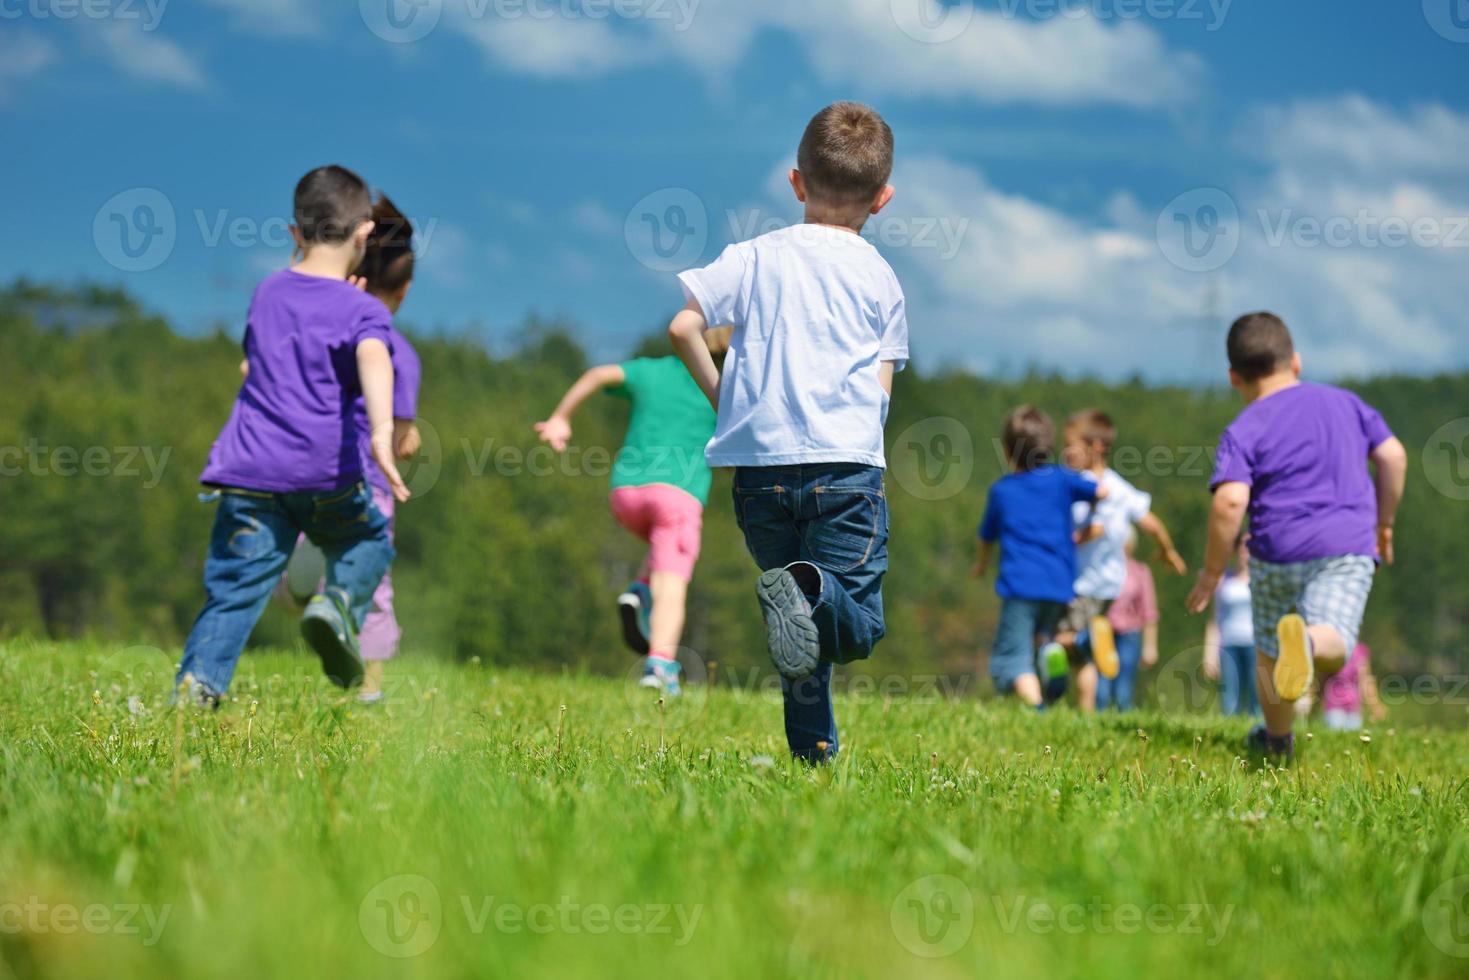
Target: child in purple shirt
(1296,459)
(288,462)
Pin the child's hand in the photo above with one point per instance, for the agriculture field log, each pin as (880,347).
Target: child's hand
(406,440)
(1150,655)
(1211,666)
(1384,545)
(1175,561)
(980,570)
(382,454)
(358,283)
(1203,593)
(555,431)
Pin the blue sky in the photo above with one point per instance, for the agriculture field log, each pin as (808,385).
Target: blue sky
(1093,186)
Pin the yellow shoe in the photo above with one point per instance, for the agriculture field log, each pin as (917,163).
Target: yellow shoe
(1294,667)
(1104,648)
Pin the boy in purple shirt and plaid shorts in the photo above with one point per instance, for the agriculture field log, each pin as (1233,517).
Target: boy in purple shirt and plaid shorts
(1320,521)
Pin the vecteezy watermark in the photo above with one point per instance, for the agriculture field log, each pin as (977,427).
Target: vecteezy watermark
(1364,229)
(1450,18)
(1446,917)
(1199,230)
(668,229)
(37,917)
(932,21)
(149,13)
(658,705)
(406,21)
(934,916)
(943,234)
(1446,459)
(38,459)
(1211,13)
(403,916)
(933,459)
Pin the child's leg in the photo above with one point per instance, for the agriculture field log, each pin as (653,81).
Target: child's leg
(1086,687)
(1333,604)
(380,631)
(674,541)
(811,725)
(251,542)
(844,540)
(1232,680)
(1012,658)
(1249,698)
(1280,714)
(353,534)
(1129,655)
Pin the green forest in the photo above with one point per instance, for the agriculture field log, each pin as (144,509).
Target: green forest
(508,553)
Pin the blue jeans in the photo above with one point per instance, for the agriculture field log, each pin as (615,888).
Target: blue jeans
(253,537)
(1119,689)
(833,516)
(1237,681)
(1022,621)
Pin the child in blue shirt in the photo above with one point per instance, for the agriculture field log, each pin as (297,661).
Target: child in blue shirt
(1029,514)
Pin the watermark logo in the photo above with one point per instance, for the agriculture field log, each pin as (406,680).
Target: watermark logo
(1446,460)
(401,21)
(934,916)
(136,230)
(421,471)
(401,916)
(140,667)
(1450,18)
(932,21)
(1199,230)
(654,707)
(933,459)
(667,230)
(1446,917)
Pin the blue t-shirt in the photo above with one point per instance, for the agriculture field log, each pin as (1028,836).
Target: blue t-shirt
(1029,514)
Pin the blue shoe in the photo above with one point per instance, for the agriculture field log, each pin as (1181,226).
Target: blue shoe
(662,675)
(795,644)
(327,628)
(634,607)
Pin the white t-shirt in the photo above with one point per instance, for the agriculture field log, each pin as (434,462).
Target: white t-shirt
(816,310)
(1102,564)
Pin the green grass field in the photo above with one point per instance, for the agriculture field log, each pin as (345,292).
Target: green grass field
(492,823)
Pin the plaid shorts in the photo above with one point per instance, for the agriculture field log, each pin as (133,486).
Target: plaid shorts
(1326,592)
(1079,614)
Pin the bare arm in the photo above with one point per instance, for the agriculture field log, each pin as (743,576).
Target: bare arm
(1390,460)
(1211,650)
(1225,520)
(1154,528)
(982,552)
(1150,645)
(375,370)
(245,368)
(556,430)
(686,332)
(885,372)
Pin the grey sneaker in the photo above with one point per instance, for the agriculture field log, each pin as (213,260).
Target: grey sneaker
(795,644)
(326,626)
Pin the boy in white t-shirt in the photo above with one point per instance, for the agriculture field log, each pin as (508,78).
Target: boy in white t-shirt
(819,330)
(1101,554)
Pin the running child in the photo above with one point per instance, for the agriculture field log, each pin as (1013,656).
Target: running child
(660,485)
(1029,515)
(819,331)
(1085,630)
(288,459)
(1320,521)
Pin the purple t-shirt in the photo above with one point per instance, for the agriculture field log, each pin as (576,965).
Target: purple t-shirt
(1303,453)
(292,427)
(406,374)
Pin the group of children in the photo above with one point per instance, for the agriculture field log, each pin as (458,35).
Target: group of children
(786,351)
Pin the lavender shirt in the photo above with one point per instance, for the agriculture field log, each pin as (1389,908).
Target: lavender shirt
(292,428)
(406,374)
(1303,453)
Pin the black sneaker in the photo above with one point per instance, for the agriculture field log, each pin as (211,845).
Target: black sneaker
(795,645)
(634,607)
(1261,744)
(326,626)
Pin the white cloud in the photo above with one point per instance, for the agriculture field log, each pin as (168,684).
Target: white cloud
(273,18)
(869,45)
(1353,133)
(146,55)
(22,56)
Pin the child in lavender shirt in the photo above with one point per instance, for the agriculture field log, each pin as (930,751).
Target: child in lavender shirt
(1296,459)
(288,459)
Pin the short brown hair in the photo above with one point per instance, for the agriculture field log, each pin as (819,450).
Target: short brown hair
(331,204)
(1259,345)
(1094,425)
(846,154)
(1029,438)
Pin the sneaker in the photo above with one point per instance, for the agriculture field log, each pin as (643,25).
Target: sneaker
(795,645)
(634,607)
(1104,647)
(662,675)
(327,628)
(1054,672)
(370,697)
(1261,744)
(1295,666)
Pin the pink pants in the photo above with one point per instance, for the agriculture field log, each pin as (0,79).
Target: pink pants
(669,519)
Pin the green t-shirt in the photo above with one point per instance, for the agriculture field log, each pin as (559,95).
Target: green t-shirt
(671,424)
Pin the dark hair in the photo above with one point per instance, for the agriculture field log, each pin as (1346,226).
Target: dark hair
(1259,345)
(1095,425)
(331,203)
(388,263)
(1029,438)
(846,154)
